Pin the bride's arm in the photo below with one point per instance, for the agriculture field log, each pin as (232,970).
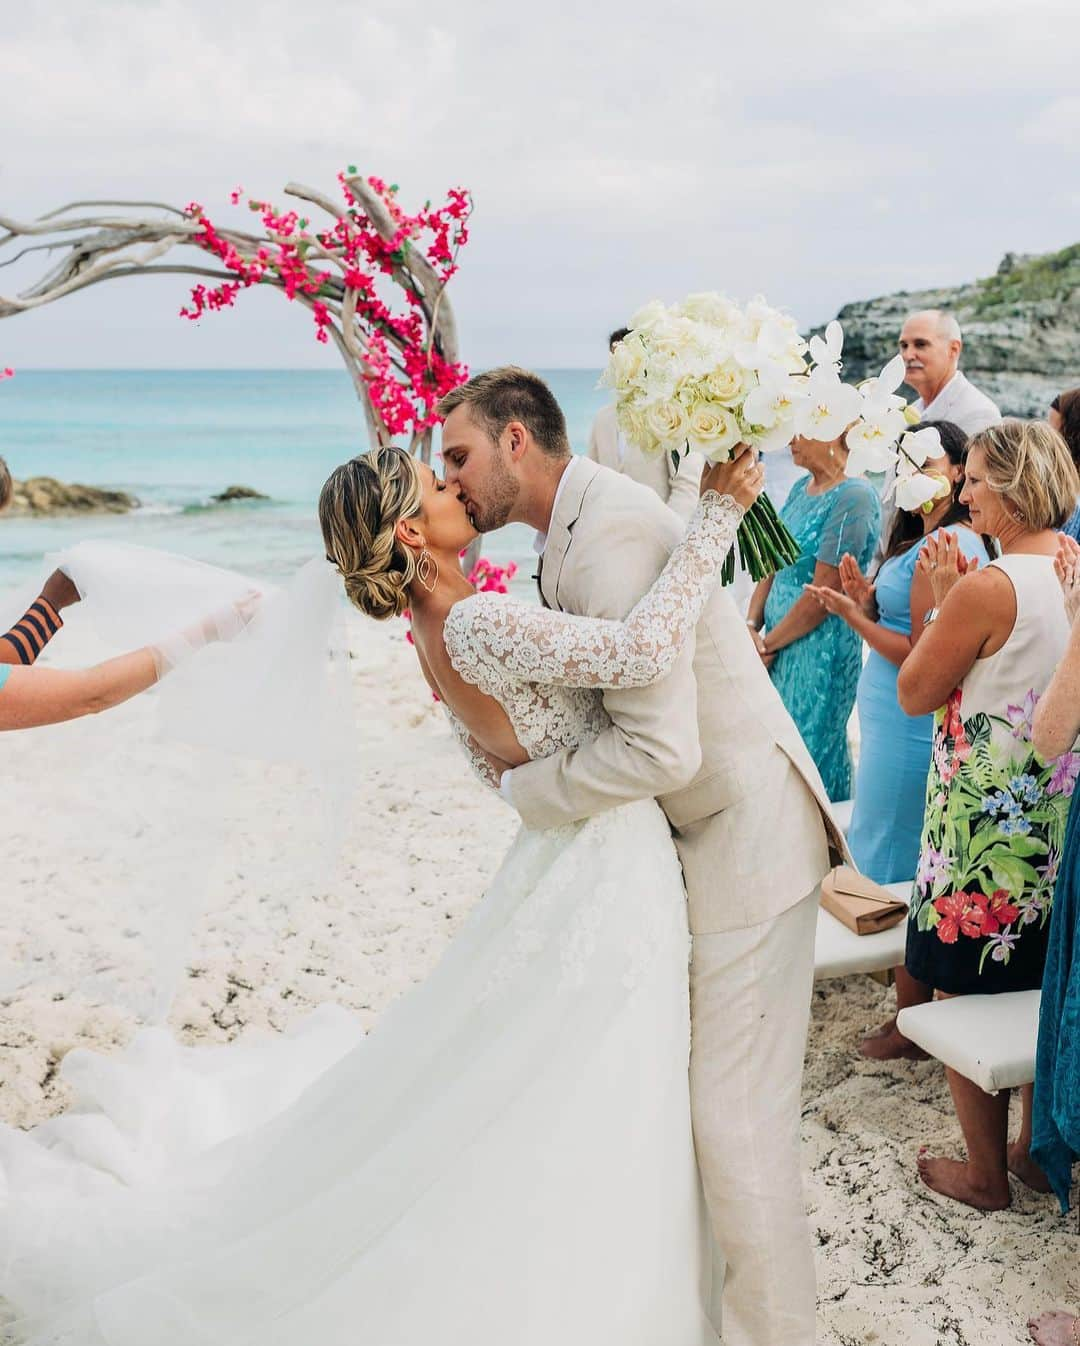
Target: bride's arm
(539,645)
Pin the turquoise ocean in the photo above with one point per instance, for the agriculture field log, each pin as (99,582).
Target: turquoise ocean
(174,438)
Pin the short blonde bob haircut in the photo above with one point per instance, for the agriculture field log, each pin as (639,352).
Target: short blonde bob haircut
(1029,464)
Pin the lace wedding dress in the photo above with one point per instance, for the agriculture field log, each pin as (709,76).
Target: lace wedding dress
(506,1158)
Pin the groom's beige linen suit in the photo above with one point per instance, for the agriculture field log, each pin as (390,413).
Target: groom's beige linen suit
(750,817)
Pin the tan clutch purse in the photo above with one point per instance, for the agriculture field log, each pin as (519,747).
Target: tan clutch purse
(860,903)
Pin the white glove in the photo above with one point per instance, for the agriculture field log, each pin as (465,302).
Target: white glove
(224,623)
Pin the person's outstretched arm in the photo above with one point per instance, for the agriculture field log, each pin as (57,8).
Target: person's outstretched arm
(30,697)
(1057,717)
(39,623)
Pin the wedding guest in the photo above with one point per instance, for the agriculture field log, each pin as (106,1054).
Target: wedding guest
(1055,1122)
(814,661)
(1065,418)
(677,487)
(887,612)
(931,342)
(996,808)
(40,622)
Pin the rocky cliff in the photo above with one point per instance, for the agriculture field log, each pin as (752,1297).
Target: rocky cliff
(1021,329)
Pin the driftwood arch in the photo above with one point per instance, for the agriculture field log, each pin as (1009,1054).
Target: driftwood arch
(114,240)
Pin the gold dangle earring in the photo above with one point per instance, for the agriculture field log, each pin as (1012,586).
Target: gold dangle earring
(427,570)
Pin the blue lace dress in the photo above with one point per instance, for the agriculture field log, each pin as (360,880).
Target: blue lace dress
(817,675)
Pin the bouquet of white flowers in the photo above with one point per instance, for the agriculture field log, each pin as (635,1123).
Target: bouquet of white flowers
(708,375)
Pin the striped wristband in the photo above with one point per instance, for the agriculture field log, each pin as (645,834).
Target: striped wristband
(33,631)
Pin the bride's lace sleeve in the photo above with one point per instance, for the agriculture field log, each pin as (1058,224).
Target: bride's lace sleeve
(480,764)
(539,645)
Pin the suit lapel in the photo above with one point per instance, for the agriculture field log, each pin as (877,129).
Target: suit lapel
(579,477)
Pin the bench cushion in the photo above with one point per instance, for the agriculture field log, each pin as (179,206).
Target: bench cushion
(839,952)
(989,1038)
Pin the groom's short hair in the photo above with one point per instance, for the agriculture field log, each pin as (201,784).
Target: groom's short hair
(499,396)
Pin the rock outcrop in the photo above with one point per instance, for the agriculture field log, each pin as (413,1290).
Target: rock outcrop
(231,493)
(1021,329)
(41,496)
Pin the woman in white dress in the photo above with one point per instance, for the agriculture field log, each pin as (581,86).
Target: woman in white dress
(508,1156)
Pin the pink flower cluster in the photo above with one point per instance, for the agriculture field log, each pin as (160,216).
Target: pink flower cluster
(7,373)
(406,375)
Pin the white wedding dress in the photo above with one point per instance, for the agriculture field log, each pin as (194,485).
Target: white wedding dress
(506,1160)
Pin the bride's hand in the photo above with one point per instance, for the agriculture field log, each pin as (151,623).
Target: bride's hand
(741,477)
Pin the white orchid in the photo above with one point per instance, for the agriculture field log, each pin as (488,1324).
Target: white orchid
(827,351)
(828,408)
(914,488)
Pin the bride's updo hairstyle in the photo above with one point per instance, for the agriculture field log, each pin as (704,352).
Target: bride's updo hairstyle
(359,509)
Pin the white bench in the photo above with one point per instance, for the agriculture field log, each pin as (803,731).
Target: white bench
(839,952)
(990,1039)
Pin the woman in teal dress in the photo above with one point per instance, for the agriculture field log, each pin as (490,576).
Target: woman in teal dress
(814,659)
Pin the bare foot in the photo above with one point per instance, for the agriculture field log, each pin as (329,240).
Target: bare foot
(1022,1166)
(1055,1329)
(954,1179)
(887,1043)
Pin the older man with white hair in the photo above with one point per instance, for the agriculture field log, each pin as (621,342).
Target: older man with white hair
(930,343)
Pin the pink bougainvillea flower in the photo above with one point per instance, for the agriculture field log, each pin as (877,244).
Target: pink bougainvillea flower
(7,373)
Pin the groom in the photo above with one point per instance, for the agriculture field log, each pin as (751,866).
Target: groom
(714,744)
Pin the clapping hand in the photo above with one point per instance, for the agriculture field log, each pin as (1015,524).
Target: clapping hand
(1067,566)
(944,564)
(841,605)
(856,585)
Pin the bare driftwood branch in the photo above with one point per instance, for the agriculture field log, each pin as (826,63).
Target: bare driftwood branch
(120,242)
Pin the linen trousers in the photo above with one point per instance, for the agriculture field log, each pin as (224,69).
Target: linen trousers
(750,1009)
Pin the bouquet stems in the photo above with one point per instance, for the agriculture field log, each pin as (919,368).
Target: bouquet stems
(765,545)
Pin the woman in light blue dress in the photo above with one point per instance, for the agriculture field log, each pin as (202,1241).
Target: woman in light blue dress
(813,660)
(894,752)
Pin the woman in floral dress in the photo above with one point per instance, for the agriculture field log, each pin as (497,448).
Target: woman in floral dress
(995,809)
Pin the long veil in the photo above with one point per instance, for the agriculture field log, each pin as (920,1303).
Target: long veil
(245,759)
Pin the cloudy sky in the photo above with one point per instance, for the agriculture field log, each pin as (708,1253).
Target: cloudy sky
(816,152)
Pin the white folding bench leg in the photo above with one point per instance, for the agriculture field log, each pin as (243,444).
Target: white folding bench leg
(990,1039)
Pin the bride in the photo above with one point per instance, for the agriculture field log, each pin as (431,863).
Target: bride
(508,1156)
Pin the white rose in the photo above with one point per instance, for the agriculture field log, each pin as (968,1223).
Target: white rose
(714,430)
(668,421)
(645,319)
(633,425)
(727,383)
(628,363)
(710,307)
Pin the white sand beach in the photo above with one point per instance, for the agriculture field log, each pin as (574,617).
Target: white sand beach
(897,1265)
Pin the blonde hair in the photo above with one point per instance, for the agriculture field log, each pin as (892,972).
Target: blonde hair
(5,485)
(1030,465)
(359,509)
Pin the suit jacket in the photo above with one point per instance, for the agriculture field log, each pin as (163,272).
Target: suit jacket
(712,741)
(676,488)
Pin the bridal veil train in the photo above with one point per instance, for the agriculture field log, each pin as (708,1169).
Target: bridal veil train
(506,1157)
